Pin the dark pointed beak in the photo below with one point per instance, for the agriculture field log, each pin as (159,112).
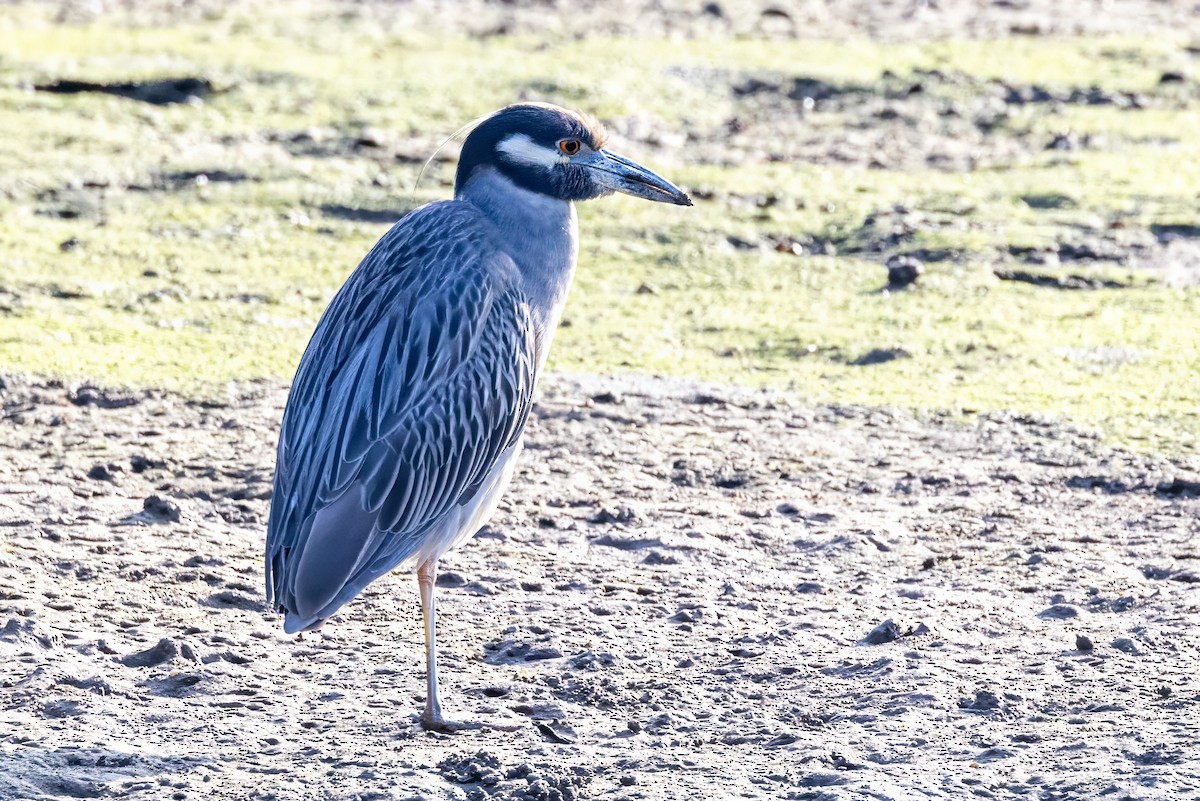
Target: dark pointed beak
(619,174)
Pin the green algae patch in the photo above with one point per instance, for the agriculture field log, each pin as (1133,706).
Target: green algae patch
(1048,187)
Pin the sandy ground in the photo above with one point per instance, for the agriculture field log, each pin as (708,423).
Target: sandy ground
(687,593)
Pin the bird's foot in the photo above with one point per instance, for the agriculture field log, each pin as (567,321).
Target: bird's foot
(446,726)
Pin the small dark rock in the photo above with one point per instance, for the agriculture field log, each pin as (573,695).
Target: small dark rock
(538,654)
(1179,487)
(984,701)
(687,615)
(622,515)
(782,739)
(88,395)
(68,292)
(880,356)
(481,767)
(1083,643)
(1049,200)
(1064,141)
(705,399)
(790,246)
(140,464)
(556,732)
(519,772)
(1122,604)
(813,89)
(903,271)
(1022,95)
(103,472)
(164,651)
(1095,250)
(165,510)
(1126,645)
(746,653)
(885,632)
(731,478)
(1059,612)
(450,579)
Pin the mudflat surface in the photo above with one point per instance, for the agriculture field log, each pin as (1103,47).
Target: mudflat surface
(686,593)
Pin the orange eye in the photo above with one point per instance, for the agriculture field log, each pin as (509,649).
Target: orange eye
(569,147)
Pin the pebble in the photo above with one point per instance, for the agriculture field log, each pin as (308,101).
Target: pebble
(984,701)
(104,472)
(164,651)
(1059,612)
(903,271)
(1126,645)
(541,711)
(450,579)
(885,632)
(161,508)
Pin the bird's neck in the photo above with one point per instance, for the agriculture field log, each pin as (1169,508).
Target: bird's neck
(540,233)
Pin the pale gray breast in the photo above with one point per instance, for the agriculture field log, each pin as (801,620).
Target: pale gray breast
(540,234)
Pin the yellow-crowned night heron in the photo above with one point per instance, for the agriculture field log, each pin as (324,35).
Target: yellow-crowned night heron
(406,414)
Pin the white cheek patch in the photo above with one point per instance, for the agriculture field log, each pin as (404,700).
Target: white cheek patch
(520,149)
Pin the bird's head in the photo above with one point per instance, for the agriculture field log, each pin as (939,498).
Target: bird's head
(558,153)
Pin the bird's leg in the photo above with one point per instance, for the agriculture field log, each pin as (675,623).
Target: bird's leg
(432,717)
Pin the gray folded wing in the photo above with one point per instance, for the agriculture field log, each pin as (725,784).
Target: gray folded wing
(418,377)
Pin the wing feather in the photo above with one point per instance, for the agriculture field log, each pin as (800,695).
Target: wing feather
(417,379)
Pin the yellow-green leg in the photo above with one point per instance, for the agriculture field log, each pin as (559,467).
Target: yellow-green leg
(432,718)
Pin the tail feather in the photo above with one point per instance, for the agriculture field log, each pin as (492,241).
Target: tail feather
(293,623)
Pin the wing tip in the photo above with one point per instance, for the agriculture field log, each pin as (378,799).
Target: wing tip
(294,624)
